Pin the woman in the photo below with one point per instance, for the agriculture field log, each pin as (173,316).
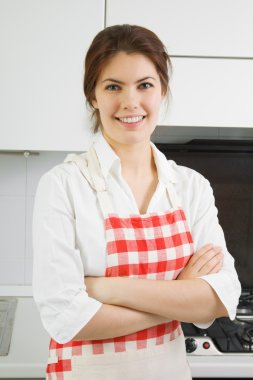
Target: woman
(112,225)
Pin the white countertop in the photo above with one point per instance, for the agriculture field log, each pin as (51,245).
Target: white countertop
(29,344)
(222,366)
(15,290)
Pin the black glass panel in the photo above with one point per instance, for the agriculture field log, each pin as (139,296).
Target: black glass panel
(228,165)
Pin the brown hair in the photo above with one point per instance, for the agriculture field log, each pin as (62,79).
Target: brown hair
(129,39)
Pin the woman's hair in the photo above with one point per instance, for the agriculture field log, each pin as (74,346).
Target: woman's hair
(122,38)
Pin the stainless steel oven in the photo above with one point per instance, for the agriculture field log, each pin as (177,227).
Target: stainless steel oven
(225,349)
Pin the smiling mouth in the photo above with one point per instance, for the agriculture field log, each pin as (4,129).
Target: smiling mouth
(131,120)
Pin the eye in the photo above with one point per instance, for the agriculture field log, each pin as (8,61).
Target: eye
(112,87)
(145,85)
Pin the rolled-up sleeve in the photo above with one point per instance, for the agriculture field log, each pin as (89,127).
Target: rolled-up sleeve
(206,229)
(58,274)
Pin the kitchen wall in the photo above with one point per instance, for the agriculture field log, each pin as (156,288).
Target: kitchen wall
(19,176)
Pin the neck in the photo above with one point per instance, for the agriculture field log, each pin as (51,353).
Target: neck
(136,159)
(138,170)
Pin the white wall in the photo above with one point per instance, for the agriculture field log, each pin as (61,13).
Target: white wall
(18,181)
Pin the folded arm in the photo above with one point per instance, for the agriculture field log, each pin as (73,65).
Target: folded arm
(113,321)
(186,299)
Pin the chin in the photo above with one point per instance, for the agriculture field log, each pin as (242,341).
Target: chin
(129,137)
(136,139)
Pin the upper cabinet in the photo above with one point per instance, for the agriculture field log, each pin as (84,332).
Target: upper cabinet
(211,46)
(43,44)
(192,27)
(208,92)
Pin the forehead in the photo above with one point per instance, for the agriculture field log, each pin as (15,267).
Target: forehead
(134,65)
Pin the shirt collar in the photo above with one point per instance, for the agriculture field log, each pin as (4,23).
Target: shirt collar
(107,158)
(106,155)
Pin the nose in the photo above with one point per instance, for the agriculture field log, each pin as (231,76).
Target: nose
(130,100)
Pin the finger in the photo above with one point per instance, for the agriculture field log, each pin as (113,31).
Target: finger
(210,270)
(217,268)
(213,264)
(204,250)
(200,252)
(206,257)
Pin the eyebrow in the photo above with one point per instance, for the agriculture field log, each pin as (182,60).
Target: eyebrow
(120,82)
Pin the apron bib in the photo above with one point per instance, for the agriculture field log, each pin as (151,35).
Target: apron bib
(153,246)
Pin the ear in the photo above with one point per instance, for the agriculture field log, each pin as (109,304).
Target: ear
(163,93)
(94,103)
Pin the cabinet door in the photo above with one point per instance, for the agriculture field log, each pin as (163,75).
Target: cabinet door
(43,44)
(210,92)
(191,27)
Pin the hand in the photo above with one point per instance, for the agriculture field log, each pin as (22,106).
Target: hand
(206,260)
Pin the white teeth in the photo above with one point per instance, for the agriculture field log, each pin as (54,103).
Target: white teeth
(134,119)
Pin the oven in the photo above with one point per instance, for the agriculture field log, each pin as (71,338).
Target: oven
(228,165)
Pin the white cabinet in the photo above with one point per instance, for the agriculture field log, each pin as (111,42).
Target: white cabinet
(191,27)
(210,92)
(43,44)
(211,44)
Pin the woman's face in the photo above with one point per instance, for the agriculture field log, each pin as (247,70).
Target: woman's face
(128,96)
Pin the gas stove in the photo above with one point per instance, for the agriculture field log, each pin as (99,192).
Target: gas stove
(224,337)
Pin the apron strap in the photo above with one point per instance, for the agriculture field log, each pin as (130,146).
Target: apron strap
(99,182)
(173,198)
(105,203)
(82,164)
(91,170)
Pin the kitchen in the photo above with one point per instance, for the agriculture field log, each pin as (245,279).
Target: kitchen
(211,47)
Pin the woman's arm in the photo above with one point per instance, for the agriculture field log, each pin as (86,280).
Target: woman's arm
(113,321)
(184,300)
(187,299)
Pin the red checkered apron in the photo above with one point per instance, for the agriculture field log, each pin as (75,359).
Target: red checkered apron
(152,246)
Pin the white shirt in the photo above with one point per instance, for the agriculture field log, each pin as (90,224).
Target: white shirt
(69,236)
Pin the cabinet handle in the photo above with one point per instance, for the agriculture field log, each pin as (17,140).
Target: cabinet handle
(25,153)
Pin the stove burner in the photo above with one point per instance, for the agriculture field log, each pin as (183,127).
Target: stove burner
(247,338)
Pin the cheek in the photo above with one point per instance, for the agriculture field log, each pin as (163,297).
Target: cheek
(106,113)
(154,103)
(105,110)
(105,105)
